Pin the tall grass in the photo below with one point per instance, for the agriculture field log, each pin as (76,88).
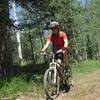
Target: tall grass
(20,85)
(86,67)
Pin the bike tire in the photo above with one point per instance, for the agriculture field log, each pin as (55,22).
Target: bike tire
(46,76)
(70,76)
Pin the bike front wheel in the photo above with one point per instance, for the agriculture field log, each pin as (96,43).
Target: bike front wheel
(51,83)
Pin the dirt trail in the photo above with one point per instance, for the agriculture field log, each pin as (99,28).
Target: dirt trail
(86,87)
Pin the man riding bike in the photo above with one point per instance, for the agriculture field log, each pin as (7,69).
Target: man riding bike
(60,42)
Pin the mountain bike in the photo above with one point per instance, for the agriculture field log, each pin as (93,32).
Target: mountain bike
(55,76)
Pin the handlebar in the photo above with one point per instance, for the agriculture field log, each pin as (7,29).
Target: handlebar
(58,51)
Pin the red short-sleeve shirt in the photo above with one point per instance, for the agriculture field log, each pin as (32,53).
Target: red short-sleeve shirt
(58,40)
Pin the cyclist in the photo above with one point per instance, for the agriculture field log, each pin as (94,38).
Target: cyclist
(60,42)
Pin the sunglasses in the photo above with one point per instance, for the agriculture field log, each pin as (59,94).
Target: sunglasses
(54,28)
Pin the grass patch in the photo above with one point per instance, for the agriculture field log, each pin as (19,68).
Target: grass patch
(21,85)
(86,67)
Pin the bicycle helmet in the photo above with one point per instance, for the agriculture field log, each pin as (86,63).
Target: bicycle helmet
(54,24)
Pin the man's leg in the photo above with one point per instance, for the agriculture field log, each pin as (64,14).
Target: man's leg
(66,57)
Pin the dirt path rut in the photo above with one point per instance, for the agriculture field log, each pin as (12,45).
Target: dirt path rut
(86,87)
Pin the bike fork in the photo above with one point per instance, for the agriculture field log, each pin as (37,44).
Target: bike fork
(55,74)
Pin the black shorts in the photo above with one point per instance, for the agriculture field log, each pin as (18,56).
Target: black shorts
(59,55)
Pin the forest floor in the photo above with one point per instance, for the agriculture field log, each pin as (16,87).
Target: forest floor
(86,87)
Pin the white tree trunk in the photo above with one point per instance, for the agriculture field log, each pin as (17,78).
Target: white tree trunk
(98,49)
(17,34)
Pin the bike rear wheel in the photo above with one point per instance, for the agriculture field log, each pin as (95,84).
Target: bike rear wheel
(51,87)
(69,76)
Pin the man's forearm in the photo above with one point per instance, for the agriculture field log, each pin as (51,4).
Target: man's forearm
(66,43)
(46,46)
